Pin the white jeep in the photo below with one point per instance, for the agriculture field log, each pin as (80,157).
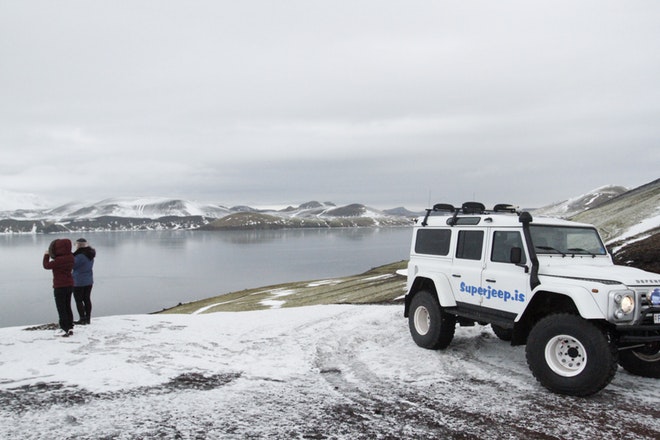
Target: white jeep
(547,283)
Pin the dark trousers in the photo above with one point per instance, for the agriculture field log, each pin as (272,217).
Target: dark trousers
(63,304)
(82,295)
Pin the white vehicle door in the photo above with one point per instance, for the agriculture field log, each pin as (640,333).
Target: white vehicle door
(505,285)
(468,265)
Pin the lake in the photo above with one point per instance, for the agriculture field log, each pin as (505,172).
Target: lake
(142,272)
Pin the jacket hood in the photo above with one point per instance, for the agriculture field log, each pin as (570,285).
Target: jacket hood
(60,247)
(89,252)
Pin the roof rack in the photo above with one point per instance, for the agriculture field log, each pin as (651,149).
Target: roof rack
(443,207)
(505,207)
(473,208)
(468,208)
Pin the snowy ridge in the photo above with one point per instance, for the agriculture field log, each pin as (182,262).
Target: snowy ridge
(149,207)
(160,213)
(570,207)
(627,216)
(157,207)
(309,215)
(328,209)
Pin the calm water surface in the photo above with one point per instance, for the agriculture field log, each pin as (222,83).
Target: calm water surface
(142,272)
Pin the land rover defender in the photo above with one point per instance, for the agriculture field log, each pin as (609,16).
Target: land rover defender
(546,283)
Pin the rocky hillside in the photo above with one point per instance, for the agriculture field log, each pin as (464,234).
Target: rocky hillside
(628,221)
(630,226)
(570,207)
(629,216)
(644,254)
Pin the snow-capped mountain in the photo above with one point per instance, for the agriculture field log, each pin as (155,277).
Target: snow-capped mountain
(144,208)
(163,213)
(620,214)
(309,215)
(329,209)
(570,207)
(151,207)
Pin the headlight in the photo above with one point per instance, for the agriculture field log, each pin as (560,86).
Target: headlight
(622,306)
(627,304)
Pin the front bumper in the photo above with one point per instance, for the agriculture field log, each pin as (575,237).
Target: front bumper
(638,334)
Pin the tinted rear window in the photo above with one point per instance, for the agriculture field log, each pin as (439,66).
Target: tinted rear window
(433,241)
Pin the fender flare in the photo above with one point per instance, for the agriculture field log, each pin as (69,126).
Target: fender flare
(550,298)
(584,302)
(439,283)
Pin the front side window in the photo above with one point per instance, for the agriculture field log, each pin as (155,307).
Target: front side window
(566,240)
(503,242)
(469,245)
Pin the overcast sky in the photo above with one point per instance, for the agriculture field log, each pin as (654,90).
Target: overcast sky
(386,103)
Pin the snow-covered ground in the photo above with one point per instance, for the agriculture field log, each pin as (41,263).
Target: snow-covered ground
(321,372)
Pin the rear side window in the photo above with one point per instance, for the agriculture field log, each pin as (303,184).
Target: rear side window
(470,244)
(433,241)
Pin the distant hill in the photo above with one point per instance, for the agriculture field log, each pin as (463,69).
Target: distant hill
(629,216)
(628,221)
(310,215)
(630,226)
(570,207)
(153,213)
(403,212)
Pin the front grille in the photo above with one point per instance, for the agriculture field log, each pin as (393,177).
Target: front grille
(646,308)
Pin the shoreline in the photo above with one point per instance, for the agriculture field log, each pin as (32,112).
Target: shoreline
(379,285)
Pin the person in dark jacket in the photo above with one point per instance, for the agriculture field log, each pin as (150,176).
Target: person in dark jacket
(59,259)
(83,279)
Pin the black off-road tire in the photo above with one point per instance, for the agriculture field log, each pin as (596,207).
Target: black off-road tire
(505,334)
(570,355)
(643,361)
(430,326)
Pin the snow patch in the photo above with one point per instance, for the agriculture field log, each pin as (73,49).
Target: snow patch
(324,283)
(643,226)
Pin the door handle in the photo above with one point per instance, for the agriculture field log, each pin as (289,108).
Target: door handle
(491,281)
(456,275)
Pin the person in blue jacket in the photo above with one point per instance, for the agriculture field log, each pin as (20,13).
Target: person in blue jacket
(83,279)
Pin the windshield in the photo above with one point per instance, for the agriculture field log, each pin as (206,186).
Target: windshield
(566,240)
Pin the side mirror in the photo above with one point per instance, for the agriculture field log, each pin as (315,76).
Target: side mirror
(516,255)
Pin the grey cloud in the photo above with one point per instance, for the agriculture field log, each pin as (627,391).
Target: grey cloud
(380,102)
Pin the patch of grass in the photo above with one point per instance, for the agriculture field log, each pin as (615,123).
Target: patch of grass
(379,285)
